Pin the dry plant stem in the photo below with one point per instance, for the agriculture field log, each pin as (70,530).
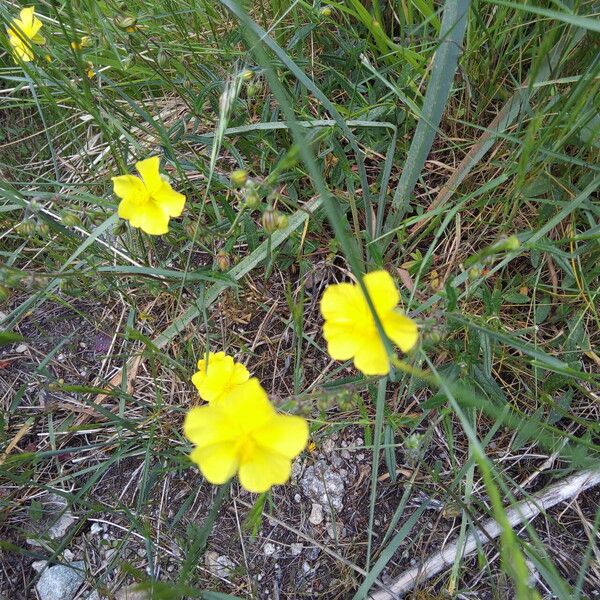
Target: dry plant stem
(526,510)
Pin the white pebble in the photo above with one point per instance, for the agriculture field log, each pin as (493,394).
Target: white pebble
(21,348)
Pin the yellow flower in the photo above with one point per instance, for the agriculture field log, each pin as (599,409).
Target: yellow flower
(22,32)
(244,434)
(218,376)
(84,42)
(350,329)
(90,70)
(149,202)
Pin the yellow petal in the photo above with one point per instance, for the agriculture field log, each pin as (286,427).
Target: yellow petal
(131,188)
(343,340)
(382,291)
(29,23)
(372,358)
(207,425)
(216,377)
(248,405)
(149,171)
(260,470)
(170,201)
(342,302)
(149,217)
(401,330)
(284,434)
(218,462)
(21,49)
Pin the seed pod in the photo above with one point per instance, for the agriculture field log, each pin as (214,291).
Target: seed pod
(223,261)
(270,220)
(239,178)
(252,90)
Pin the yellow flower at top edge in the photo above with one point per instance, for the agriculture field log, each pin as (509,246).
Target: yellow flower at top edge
(244,434)
(350,330)
(22,32)
(150,201)
(218,375)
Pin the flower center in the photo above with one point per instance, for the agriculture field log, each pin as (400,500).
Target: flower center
(247,448)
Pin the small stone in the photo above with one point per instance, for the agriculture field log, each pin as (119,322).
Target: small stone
(68,556)
(219,565)
(328,446)
(296,548)
(269,549)
(55,519)
(93,596)
(39,565)
(297,498)
(359,442)
(306,567)
(345,454)
(316,514)
(323,485)
(60,582)
(96,528)
(360,456)
(21,348)
(334,531)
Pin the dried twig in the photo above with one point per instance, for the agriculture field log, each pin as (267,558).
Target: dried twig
(523,511)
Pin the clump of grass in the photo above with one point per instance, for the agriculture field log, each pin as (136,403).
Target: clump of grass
(454,145)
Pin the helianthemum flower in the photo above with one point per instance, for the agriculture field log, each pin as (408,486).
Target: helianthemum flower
(24,31)
(244,434)
(218,375)
(149,202)
(350,330)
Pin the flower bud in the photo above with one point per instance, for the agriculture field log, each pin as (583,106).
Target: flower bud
(162,59)
(26,227)
(70,220)
(123,22)
(252,90)
(43,228)
(252,200)
(474,273)
(326,11)
(248,74)
(239,178)
(282,221)
(270,220)
(223,261)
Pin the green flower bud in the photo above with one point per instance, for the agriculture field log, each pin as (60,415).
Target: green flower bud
(270,220)
(239,178)
(282,221)
(326,11)
(70,220)
(123,22)
(162,59)
(248,74)
(252,200)
(43,228)
(474,273)
(26,227)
